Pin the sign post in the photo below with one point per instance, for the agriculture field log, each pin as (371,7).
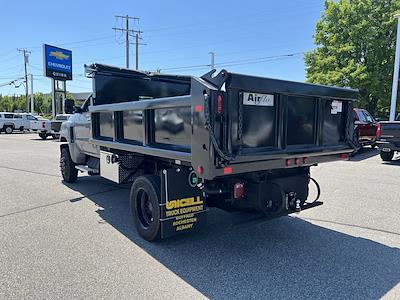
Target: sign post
(58,66)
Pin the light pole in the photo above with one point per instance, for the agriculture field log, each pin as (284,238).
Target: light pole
(395,72)
(212,55)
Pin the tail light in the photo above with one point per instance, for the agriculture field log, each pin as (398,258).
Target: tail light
(200,170)
(219,104)
(378,131)
(289,162)
(238,190)
(344,156)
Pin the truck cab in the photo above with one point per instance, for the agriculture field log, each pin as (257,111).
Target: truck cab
(77,132)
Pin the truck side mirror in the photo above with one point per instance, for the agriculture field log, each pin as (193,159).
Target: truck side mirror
(69,106)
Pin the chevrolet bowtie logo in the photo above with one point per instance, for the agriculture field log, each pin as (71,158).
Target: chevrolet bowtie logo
(59,55)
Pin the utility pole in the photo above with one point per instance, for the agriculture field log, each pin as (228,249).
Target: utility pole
(32,104)
(128,32)
(137,37)
(395,72)
(26,61)
(212,54)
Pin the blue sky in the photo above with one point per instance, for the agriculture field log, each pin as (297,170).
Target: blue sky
(250,37)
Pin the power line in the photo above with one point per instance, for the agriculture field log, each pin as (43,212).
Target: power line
(236,62)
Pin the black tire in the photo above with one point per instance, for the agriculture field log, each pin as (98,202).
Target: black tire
(67,166)
(8,129)
(21,129)
(145,206)
(387,156)
(43,135)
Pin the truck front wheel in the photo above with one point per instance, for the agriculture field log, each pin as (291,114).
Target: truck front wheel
(145,206)
(67,166)
(387,156)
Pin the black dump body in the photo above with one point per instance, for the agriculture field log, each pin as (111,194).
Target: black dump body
(220,125)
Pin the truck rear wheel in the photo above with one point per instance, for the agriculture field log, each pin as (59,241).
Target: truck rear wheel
(67,166)
(387,156)
(8,129)
(43,135)
(145,206)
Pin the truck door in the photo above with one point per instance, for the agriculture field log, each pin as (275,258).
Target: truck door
(83,131)
(370,127)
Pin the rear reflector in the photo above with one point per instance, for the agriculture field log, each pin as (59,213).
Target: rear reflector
(299,161)
(344,156)
(238,190)
(200,170)
(228,170)
(198,108)
(219,104)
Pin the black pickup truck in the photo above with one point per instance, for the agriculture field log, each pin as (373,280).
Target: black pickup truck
(232,141)
(389,140)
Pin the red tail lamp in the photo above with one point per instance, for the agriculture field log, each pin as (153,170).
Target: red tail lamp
(344,156)
(238,190)
(200,170)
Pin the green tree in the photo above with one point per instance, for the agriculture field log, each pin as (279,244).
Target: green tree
(355,48)
(6,103)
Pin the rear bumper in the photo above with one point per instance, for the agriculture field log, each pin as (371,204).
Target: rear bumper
(385,145)
(305,160)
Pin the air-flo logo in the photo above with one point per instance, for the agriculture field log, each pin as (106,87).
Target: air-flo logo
(258,99)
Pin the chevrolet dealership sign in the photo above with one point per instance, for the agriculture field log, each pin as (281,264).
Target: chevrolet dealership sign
(57,63)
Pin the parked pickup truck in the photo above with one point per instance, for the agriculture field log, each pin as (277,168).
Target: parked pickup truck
(15,121)
(231,141)
(389,141)
(47,128)
(366,127)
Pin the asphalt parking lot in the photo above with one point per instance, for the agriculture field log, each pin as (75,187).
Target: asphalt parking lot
(73,241)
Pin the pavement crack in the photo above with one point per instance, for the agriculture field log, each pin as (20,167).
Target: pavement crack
(31,172)
(58,202)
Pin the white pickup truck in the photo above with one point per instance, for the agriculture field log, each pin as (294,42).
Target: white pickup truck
(47,128)
(15,121)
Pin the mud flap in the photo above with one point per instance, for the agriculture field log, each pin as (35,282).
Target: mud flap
(183,208)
